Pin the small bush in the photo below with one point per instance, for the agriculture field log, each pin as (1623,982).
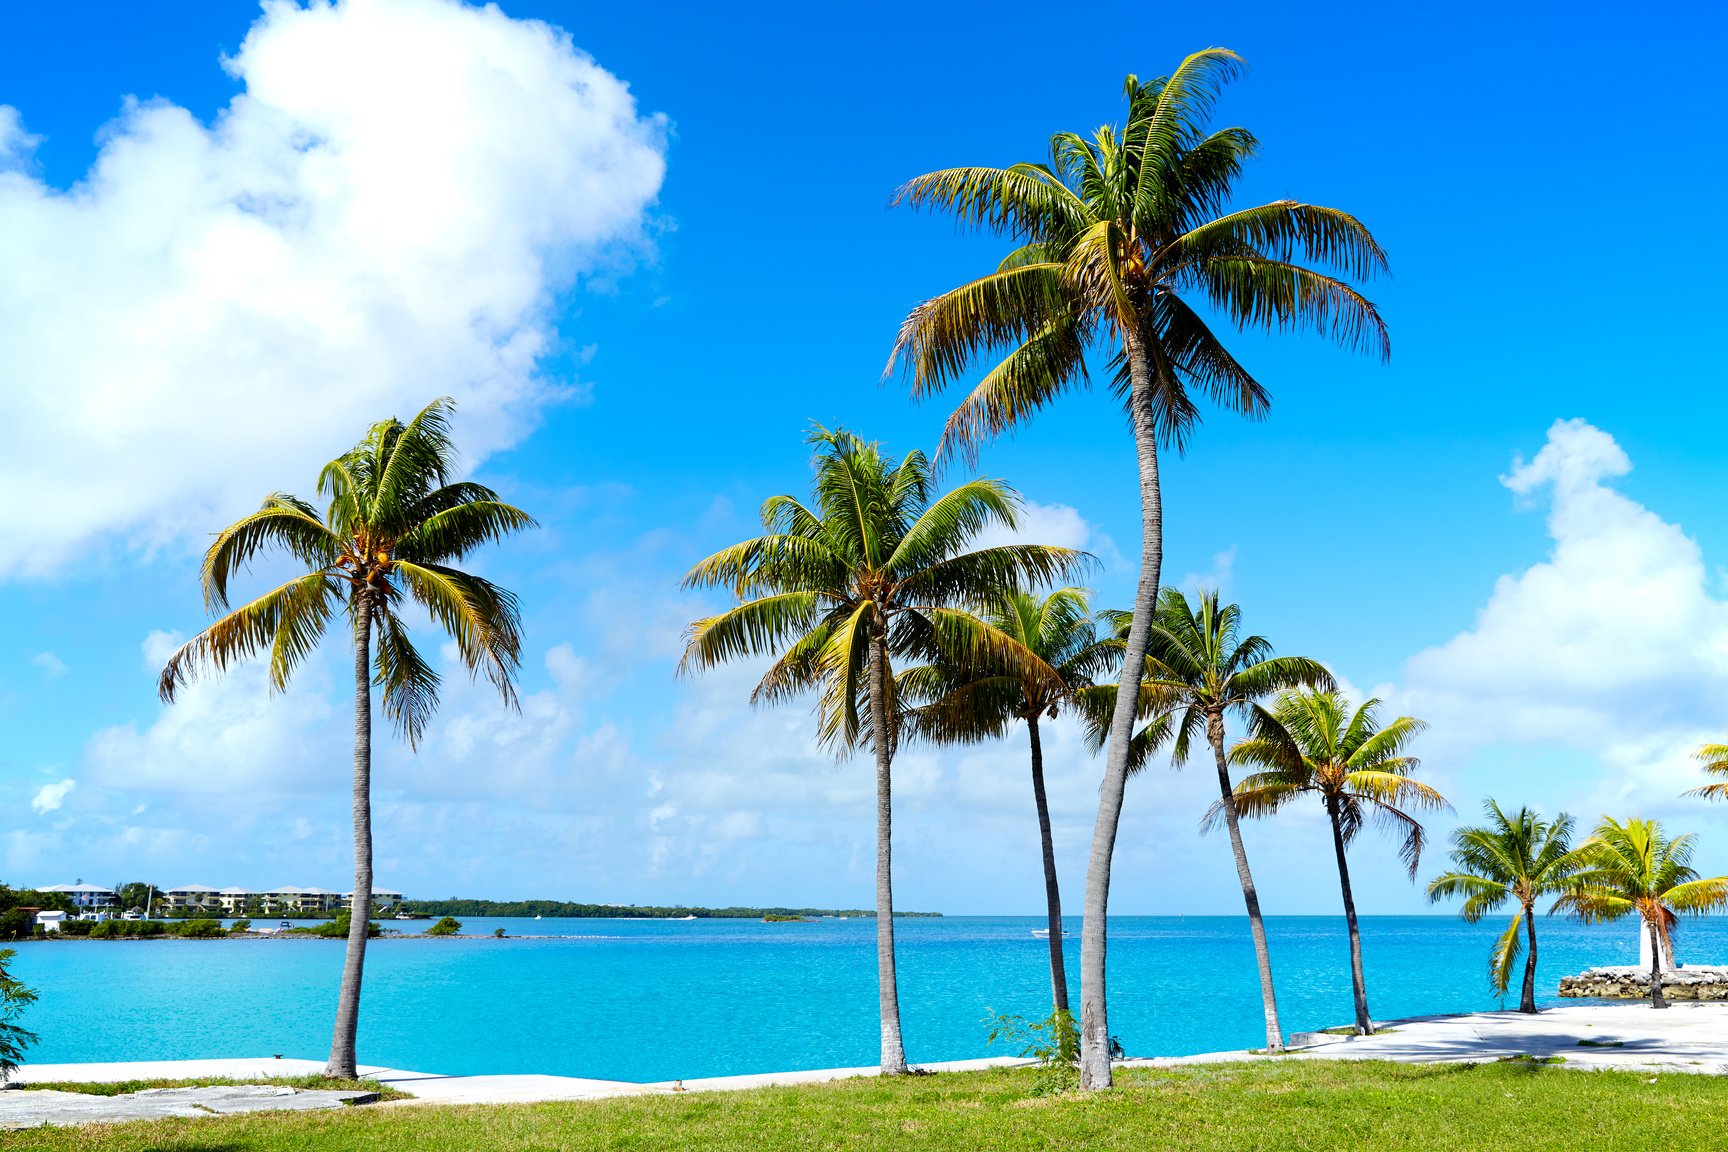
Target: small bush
(498,932)
(127,929)
(448,926)
(241,925)
(200,929)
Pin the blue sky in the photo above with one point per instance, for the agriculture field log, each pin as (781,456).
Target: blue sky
(646,257)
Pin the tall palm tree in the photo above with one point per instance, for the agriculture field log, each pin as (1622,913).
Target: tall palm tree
(1519,858)
(1201,668)
(972,704)
(1634,867)
(1123,246)
(394,525)
(878,570)
(1311,744)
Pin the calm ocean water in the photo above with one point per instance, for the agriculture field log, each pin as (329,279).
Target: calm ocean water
(658,1000)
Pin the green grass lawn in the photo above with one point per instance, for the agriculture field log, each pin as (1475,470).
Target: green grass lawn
(1282,1106)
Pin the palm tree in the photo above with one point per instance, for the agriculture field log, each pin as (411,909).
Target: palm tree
(1201,668)
(878,570)
(1310,743)
(1714,758)
(394,525)
(972,704)
(1520,858)
(1636,867)
(1123,247)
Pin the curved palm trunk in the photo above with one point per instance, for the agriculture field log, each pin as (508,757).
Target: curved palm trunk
(887,985)
(348,1001)
(1250,897)
(1527,1001)
(1657,1000)
(1094,1019)
(1052,892)
(1358,983)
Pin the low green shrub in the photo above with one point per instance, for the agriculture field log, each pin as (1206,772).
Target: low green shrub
(241,925)
(127,929)
(200,929)
(448,926)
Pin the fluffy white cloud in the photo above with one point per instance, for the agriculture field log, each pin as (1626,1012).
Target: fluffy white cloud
(382,215)
(50,797)
(1611,654)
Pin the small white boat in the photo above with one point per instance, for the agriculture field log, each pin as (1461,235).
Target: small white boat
(1044,933)
(536,917)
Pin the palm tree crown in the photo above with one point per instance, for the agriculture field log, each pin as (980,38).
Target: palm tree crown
(1714,759)
(394,524)
(969,704)
(1126,234)
(1517,859)
(877,560)
(1310,743)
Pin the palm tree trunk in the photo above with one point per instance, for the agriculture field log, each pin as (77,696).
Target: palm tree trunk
(1250,897)
(1052,892)
(342,1042)
(1094,1017)
(1527,1001)
(881,740)
(1358,983)
(1657,1000)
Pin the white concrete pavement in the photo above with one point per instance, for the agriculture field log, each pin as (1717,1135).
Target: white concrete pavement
(1688,1037)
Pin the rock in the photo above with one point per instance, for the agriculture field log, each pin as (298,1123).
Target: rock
(1626,982)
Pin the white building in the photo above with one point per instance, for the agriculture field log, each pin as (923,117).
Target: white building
(291,900)
(384,901)
(234,900)
(50,921)
(87,898)
(191,897)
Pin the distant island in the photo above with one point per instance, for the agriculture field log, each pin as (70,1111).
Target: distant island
(564,908)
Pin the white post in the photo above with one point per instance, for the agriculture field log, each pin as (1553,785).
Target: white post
(1644,949)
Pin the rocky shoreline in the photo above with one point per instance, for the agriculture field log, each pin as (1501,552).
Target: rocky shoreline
(1628,982)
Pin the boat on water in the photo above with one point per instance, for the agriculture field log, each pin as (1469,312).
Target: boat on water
(1044,933)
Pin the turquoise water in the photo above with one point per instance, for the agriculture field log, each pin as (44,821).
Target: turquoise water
(658,1000)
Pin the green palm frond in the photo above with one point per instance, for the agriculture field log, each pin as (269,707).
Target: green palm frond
(393,521)
(1507,949)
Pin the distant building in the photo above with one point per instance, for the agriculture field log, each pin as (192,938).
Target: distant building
(190,898)
(50,921)
(87,898)
(234,900)
(292,901)
(384,901)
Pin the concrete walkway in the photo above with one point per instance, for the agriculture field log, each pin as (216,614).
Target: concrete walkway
(1689,1037)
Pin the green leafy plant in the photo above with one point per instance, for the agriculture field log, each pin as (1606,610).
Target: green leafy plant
(241,926)
(448,926)
(498,932)
(1054,1042)
(14,998)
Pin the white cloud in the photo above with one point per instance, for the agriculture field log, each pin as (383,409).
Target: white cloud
(50,797)
(1614,637)
(1587,679)
(52,666)
(382,215)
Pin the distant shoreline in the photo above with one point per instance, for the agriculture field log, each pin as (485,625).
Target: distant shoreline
(568,910)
